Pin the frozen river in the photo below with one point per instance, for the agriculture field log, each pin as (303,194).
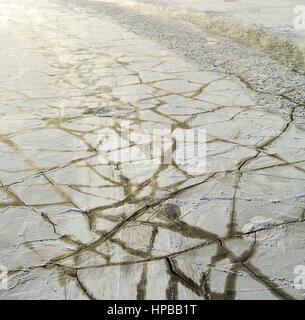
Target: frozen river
(144,157)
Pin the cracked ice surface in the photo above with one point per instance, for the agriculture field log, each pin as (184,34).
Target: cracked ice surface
(74,226)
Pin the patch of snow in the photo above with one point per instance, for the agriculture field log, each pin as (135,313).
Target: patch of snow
(258,223)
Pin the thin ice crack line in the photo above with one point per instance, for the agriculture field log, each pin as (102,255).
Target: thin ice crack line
(189,282)
(54,169)
(33,165)
(262,278)
(84,289)
(46,171)
(184,279)
(134,216)
(55,263)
